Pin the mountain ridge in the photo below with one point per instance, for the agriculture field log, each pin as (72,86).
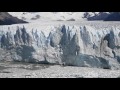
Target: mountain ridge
(7,19)
(60,16)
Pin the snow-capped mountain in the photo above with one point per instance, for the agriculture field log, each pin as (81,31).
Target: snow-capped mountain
(60,16)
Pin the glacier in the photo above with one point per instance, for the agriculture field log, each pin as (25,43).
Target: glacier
(65,44)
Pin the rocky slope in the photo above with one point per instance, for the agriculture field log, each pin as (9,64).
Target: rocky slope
(77,45)
(7,19)
(98,16)
(115,16)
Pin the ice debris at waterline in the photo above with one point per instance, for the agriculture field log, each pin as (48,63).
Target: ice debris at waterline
(82,46)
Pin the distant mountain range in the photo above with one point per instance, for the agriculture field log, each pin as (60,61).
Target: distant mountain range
(7,19)
(60,16)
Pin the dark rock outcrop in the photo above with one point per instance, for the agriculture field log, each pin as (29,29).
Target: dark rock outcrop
(100,16)
(115,16)
(7,19)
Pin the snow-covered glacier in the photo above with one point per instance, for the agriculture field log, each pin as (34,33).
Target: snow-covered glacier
(67,44)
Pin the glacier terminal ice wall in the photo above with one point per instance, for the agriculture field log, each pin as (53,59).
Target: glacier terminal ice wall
(64,44)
